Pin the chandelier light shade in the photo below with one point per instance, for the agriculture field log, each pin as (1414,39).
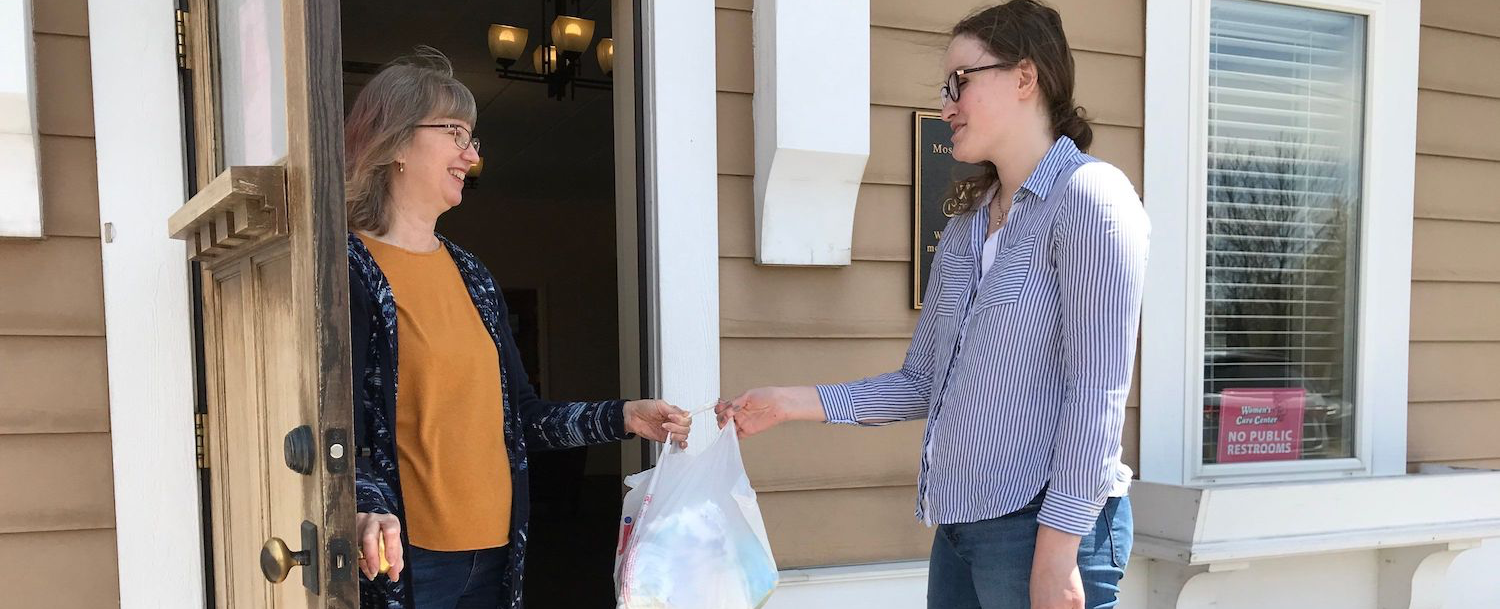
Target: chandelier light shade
(544,64)
(507,42)
(606,52)
(572,34)
(556,49)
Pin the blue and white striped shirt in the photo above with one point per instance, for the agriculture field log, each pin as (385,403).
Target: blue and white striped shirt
(1023,375)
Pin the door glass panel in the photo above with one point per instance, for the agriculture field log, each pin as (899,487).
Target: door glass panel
(252,81)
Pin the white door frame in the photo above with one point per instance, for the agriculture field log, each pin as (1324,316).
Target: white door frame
(148,322)
(679,145)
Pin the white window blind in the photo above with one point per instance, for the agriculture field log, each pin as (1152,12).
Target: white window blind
(1285,110)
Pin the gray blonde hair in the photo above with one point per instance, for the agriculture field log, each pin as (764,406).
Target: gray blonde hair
(382,121)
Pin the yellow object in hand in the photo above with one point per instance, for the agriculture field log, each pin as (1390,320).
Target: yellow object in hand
(385,565)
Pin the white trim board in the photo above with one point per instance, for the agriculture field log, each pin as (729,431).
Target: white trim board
(1171,358)
(682,170)
(1227,524)
(874,586)
(20,138)
(138,137)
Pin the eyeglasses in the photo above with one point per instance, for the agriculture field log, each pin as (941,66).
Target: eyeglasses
(461,136)
(949,90)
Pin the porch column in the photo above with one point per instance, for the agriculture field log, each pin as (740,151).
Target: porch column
(682,192)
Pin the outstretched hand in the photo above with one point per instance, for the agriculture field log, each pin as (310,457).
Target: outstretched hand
(653,419)
(763,408)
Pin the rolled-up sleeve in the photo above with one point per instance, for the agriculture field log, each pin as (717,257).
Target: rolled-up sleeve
(1100,248)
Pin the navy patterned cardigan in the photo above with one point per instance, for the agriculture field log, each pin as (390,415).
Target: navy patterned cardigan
(530,422)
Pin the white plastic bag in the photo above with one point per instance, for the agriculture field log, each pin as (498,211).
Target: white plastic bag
(691,535)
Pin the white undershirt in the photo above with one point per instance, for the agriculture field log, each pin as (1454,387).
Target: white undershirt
(991,244)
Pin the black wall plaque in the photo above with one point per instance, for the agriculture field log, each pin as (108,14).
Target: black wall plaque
(934,170)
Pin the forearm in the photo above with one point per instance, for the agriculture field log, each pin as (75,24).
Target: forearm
(801,404)
(556,425)
(1055,547)
(887,398)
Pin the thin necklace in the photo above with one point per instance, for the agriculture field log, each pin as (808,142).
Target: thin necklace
(998,218)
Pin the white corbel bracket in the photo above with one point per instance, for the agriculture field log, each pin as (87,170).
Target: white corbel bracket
(812,128)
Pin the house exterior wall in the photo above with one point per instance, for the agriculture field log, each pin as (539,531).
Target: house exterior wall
(1455,309)
(57,519)
(830,495)
(824,490)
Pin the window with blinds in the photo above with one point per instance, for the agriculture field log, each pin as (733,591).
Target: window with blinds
(1285,110)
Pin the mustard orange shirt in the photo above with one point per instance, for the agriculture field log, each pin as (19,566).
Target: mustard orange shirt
(450,419)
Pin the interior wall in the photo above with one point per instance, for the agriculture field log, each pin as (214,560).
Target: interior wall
(57,519)
(565,249)
(783,326)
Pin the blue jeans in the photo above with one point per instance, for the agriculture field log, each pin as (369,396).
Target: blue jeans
(987,564)
(467,579)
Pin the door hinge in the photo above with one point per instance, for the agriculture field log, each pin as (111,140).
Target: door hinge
(200,438)
(182,39)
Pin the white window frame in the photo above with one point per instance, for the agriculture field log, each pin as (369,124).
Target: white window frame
(20,137)
(1172,320)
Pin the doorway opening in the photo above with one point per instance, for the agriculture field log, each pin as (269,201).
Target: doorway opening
(543,216)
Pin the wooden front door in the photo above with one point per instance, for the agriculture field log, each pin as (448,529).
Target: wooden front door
(266,227)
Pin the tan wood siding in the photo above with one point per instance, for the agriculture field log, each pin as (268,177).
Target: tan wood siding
(1455,261)
(63,570)
(49,385)
(1454,371)
(67,17)
(844,526)
(1455,312)
(1476,16)
(1458,125)
(70,186)
(54,287)
(1449,250)
(57,521)
(797,326)
(1449,188)
(1452,431)
(1454,392)
(759,301)
(64,88)
(1120,30)
(1450,62)
(56,482)
(882,221)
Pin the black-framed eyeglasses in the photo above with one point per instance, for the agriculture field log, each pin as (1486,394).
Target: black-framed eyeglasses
(950,89)
(461,135)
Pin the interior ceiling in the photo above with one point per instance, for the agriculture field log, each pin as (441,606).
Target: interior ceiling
(535,148)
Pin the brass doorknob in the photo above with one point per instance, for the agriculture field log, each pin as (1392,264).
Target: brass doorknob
(277,560)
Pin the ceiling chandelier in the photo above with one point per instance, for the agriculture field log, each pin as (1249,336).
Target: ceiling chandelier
(557,59)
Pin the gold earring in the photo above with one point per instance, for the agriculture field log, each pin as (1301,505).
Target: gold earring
(400,167)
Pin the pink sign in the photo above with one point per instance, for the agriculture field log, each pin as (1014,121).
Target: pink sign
(1260,424)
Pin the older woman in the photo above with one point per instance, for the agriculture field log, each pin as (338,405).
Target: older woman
(441,479)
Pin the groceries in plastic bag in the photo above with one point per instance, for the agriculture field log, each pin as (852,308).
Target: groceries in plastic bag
(691,534)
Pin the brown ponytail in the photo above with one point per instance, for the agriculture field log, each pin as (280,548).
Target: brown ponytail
(1025,30)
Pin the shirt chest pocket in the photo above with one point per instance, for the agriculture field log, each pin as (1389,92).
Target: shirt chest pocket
(1007,279)
(954,275)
